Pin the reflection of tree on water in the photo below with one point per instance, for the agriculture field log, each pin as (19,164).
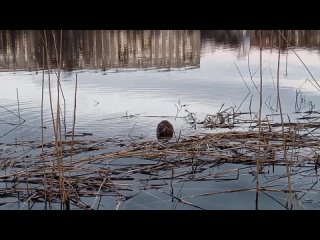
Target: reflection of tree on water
(270,38)
(298,38)
(107,49)
(102,49)
(225,37)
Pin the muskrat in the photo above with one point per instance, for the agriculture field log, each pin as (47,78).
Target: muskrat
(164,130)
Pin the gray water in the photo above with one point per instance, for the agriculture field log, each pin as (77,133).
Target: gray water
(128,81)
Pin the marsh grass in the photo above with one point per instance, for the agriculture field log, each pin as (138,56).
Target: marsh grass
(96,170)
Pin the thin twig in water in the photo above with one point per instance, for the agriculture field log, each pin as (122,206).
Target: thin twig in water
(94,202)
(131,130)
(242,102)
(181,200)
(27,201)
(251,76)
(242,77)
(13,113)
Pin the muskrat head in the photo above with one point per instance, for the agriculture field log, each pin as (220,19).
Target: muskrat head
(164,130)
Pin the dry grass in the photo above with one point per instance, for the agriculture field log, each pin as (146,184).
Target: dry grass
(116,167)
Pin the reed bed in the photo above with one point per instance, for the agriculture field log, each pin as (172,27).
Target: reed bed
(119,167)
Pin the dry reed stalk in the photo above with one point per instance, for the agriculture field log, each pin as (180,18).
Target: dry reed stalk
(73,130)
(282,125)
(49,83)
(28,201)
(260,109)
(51,107)
(23,149)
(235,190)
(63,194)
(64,100)
(94,202)
(42,156)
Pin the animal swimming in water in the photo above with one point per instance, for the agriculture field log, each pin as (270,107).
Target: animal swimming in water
(164,130)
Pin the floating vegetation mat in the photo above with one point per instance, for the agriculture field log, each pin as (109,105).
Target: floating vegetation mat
(67,173)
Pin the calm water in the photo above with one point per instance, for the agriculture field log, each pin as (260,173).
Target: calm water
(128,81)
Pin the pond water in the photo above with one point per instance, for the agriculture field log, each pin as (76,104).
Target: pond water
(129,81)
